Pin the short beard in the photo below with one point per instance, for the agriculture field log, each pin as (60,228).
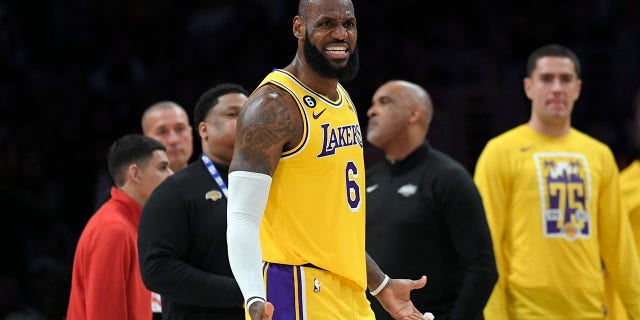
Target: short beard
(323,67)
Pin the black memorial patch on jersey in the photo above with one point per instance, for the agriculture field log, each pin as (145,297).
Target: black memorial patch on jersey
(309,101)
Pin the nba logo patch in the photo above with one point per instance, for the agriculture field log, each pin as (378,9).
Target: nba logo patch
(316,285)
(565,186)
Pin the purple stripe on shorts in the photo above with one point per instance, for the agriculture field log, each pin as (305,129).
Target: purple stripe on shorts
(280,291)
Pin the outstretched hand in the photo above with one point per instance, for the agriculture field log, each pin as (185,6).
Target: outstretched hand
(261,311)
(396,298)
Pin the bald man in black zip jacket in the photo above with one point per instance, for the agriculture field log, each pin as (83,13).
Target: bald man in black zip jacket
(420,199)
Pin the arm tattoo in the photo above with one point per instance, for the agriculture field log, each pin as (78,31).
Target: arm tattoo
(269,127)
(266,127)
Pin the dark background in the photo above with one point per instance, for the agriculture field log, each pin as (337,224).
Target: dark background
(77,74)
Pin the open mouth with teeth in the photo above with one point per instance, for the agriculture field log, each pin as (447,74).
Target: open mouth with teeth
(337,52)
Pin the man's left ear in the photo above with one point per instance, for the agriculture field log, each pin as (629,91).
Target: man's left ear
(134,173)
(415,116)
(202,130)
(579,88)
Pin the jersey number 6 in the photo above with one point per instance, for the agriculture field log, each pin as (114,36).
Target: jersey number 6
(353,189)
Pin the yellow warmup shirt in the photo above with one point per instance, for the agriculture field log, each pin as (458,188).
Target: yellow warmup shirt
(554,210)
(630,187)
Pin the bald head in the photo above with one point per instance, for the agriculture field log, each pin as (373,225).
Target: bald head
(399,118)
(415,97)
(156,107)
(168,122)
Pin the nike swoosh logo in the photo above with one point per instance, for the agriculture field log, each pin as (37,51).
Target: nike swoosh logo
(371,188)
(316,116)
(525,149)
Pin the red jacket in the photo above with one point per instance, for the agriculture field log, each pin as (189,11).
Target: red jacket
(106,281)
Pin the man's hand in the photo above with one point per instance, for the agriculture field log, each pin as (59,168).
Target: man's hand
(261,310)
(396,298)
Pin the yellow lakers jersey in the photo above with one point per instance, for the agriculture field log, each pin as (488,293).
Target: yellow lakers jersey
(315,212)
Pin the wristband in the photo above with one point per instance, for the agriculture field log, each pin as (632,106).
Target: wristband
(381,286)
(252,300)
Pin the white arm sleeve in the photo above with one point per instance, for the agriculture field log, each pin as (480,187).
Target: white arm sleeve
(248,193)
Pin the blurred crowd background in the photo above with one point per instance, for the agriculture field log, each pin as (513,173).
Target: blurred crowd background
(77,74)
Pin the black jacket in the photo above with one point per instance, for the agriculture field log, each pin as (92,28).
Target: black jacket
(182,247)
(425,217)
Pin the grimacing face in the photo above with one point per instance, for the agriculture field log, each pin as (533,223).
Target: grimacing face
(330,41)
(321,65)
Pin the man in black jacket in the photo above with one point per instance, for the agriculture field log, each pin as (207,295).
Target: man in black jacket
(420,199)
(182,244)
